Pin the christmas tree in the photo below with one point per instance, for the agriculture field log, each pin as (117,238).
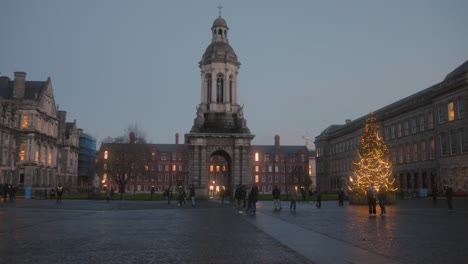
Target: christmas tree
(374,165)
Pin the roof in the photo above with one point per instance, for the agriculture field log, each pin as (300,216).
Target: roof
(32,88)
(161,148)
(285,149)
(219,51)
(219,22)
(459,70)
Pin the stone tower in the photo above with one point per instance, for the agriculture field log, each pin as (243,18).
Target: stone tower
(219,128)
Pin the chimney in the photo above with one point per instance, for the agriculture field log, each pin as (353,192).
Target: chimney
(132,137)
(177,139)
(277,141)
(19,85)
(347,121)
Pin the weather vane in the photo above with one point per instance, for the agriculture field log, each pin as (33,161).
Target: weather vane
(220,7)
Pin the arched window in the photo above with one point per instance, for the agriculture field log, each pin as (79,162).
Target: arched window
(220,32)
(208,88)
(220,89)
(230,88)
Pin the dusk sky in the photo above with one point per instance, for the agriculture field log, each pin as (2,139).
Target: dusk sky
(304,64)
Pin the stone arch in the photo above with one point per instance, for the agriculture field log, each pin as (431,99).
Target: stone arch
(220,172)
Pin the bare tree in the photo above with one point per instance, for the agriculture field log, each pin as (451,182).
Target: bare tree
(122,162)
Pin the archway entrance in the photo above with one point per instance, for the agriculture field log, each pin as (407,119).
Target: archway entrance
(219,174)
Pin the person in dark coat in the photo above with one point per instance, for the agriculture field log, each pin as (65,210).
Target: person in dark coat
(372,199)
(340,197)
(253,197)
(449,195)
(382,195)
(276,197)
(192,194)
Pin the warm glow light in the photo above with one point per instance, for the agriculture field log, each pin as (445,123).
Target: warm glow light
(374,166)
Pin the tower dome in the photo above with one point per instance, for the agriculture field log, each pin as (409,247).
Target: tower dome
(219,50)
(219,22)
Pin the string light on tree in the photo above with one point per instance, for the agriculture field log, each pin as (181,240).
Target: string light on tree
(374,165)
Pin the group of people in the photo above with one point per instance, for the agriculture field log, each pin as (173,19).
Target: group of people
(372,196)
(246,198)
(181,195)
(8,192)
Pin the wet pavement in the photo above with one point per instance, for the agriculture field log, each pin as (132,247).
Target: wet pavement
(83,231)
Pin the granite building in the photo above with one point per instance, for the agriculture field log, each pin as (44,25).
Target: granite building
(426,133)
(39,148)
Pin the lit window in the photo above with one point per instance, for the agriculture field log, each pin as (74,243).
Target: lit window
(211,167)
(256,156)
(23,151)
(256,178)
(153,155)
(451,111)
(25,121)
(36,156)
(217,168)
(256,169)
(106,154)
(174,167)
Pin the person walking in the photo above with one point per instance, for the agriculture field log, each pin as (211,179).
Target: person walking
(276,197)
(318,203)
(382,195)
(192,194)
(253,197)
(168,194)
(372,199)
(340,197)
(59,193)
(293,196)
(449,195)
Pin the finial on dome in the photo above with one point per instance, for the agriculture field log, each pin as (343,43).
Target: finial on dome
(220,7)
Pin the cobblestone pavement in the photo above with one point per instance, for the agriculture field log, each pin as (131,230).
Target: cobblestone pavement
(133,232)
(82,231)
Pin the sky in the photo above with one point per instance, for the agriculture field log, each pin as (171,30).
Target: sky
(305,65)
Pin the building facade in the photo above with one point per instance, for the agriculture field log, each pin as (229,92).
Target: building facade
(427,137)
(34,137)
(167,165)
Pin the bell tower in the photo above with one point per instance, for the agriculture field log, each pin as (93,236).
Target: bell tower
(219,127)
